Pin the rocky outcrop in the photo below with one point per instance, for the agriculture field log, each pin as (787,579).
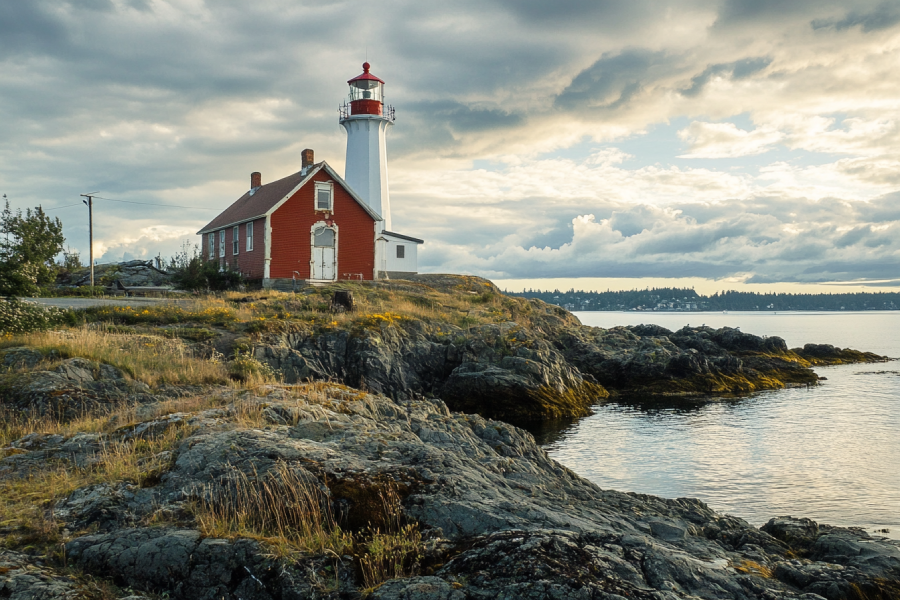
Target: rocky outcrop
(128,273)
(653,359)
(499,518)
(501,370)
(71,388)
(24,578)
(826,354)
(549,366)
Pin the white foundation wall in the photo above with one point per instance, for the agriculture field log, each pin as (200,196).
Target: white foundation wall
(366,165)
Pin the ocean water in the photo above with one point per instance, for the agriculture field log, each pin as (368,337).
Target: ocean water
(831,453)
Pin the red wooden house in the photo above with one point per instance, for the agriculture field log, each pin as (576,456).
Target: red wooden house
(307,226)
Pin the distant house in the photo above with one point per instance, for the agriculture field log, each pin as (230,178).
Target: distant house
(312,225)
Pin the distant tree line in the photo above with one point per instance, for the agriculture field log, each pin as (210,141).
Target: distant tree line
(686,299)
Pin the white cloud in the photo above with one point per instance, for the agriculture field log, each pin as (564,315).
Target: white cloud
(725,140)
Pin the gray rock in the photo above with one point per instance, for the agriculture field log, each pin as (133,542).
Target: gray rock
(71,389)
(24,577)
(507,521)
(128,273)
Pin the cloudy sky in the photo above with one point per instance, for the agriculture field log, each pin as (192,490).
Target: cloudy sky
(727,144)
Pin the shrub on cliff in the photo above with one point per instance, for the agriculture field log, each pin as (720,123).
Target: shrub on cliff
(17,316)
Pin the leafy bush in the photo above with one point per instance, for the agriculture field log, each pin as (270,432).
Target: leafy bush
(17,316)
(191,272)
(28,244)
(49,291)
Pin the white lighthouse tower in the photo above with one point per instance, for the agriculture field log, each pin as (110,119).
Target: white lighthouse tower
(366,120)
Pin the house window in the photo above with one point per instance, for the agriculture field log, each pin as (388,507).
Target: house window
(222,243)
(235,233)
(324,196)
(212,246)
(250,236)
(324,238)
(401,251)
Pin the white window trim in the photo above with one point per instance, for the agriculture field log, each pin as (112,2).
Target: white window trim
(221,243)
(212,245)
(235,241)
(249,236)
(324,185)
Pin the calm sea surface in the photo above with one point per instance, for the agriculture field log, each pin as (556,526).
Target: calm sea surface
(831,453)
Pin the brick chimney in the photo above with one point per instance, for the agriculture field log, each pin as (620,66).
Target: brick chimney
(308,159)
(255,179)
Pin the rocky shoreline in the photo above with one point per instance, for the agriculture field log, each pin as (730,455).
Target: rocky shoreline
(537,362)
(369,483)
(494,515)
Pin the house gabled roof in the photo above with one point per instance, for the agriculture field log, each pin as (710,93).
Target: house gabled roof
(267,198)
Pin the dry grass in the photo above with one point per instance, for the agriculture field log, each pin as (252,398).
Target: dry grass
(25,502)
(754,568)
(393,552)
(14,424)
(292,514)
(151,359)
(281,507)
(383,305)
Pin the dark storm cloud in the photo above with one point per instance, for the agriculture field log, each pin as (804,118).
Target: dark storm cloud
(740,69)
(593,13)
(883,16)
(749,13)
(554,238)
(25,27)
(463,118)
(613,80)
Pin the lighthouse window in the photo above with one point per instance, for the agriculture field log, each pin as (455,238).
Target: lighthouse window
(324,196)
(401,251)
(365,89)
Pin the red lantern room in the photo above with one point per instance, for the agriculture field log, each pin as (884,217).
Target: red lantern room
(366,93)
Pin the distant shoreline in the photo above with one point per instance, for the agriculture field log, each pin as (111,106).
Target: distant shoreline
(688,300)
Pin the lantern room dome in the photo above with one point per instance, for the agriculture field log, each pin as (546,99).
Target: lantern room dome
(365,76)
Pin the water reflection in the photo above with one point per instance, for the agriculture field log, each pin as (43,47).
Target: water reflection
(830,452)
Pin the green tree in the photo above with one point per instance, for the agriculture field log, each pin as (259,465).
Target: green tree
(28,245)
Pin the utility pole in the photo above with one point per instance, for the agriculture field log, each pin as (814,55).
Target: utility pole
(90,205)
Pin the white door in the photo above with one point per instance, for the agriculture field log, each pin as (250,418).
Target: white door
(324,260)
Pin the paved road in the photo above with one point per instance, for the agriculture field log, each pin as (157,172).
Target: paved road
(86,302)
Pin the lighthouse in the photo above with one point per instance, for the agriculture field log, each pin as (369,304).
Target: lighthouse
(366,120)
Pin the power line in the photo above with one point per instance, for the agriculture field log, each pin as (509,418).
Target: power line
(61,207)
(148,203)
